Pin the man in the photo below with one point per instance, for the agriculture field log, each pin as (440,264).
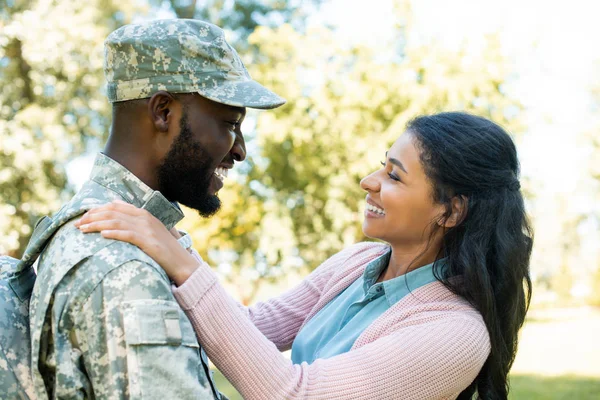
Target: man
(104,323)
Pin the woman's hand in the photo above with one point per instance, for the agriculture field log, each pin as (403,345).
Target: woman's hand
(125,222)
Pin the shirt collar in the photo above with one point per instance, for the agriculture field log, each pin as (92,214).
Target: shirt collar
(395,289)
(374,269)
(113,176)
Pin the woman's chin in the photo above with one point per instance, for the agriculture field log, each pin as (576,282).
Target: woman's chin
(368,231)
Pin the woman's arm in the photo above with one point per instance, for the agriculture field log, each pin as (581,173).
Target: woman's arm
(420,360)
(431,360)
(279,319)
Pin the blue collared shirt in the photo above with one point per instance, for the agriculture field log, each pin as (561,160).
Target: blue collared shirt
(335,328)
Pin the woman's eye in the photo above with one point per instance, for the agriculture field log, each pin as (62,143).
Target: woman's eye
(382,163)
(394,177)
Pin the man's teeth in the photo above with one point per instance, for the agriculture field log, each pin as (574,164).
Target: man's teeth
(375,209)
(221,173)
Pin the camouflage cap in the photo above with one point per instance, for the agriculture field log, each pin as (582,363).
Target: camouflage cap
(180,56)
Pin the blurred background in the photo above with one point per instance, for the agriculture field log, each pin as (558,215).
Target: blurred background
(354,73)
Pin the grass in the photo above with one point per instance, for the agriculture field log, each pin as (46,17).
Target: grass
(569,387)
(225,387)
(558,358)
(522,387)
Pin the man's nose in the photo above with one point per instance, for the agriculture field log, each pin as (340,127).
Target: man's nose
(238,151)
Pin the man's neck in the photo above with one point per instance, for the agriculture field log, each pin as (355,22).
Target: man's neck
(131,156)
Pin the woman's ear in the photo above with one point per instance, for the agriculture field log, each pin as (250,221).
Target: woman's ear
(458,213)
(160,110)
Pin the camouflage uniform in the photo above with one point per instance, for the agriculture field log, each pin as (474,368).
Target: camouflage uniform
(104,323)
(15,377)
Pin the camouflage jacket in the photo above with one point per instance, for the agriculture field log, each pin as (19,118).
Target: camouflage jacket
(104,323)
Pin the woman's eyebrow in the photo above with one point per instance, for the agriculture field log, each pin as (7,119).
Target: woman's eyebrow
(397,163)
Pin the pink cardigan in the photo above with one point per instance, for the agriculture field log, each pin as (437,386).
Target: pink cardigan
(429,345)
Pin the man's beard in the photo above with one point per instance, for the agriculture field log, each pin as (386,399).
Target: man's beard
(186,173)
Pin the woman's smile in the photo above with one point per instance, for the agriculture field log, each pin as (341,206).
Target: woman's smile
(372,210)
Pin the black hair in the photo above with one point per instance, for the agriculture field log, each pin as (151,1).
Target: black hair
(474,160)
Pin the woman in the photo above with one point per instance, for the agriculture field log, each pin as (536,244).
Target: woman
(433,313)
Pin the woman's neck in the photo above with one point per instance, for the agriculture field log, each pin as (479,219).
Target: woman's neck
(405,259)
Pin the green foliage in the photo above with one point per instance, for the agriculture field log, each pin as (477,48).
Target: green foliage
(242,17)
(51,102)
(297,200)
(594,138)
(594,297)
(346,105)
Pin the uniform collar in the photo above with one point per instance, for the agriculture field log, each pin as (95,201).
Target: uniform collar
(116,178)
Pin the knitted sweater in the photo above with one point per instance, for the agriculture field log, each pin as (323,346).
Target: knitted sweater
(429,345)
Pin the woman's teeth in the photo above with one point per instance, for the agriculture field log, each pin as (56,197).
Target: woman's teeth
(221,173)
(375,209)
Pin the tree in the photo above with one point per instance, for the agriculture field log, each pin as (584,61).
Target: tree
(594,138)
(52,102)
(296,200)
(346,105)
(242,17)
(53,105)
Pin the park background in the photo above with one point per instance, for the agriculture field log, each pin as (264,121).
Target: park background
(354,73)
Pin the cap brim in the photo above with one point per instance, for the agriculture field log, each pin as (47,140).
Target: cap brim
(243,94)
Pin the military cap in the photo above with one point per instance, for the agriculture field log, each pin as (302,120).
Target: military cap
(180,56)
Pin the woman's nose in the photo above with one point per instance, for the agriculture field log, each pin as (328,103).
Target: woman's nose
(370,182)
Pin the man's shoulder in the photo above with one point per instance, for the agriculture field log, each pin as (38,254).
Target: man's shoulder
(71,247)
(76,263)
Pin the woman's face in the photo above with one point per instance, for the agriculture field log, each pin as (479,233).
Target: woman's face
(400,207)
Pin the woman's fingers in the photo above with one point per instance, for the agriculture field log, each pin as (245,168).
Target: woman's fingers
(117,206)
(115,210)
(102,216)
(122,230)
(105,224)
(125,222)
(124,236)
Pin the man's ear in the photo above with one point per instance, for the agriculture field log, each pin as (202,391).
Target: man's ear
(458,213)
(160,110)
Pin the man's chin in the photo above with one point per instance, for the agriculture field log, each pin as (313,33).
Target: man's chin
(207,208)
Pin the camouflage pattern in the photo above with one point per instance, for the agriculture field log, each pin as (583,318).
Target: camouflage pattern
(104,323)
(17,278)
(180,56)
(15,370)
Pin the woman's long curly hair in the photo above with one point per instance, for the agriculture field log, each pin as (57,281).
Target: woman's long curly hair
(474,160)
